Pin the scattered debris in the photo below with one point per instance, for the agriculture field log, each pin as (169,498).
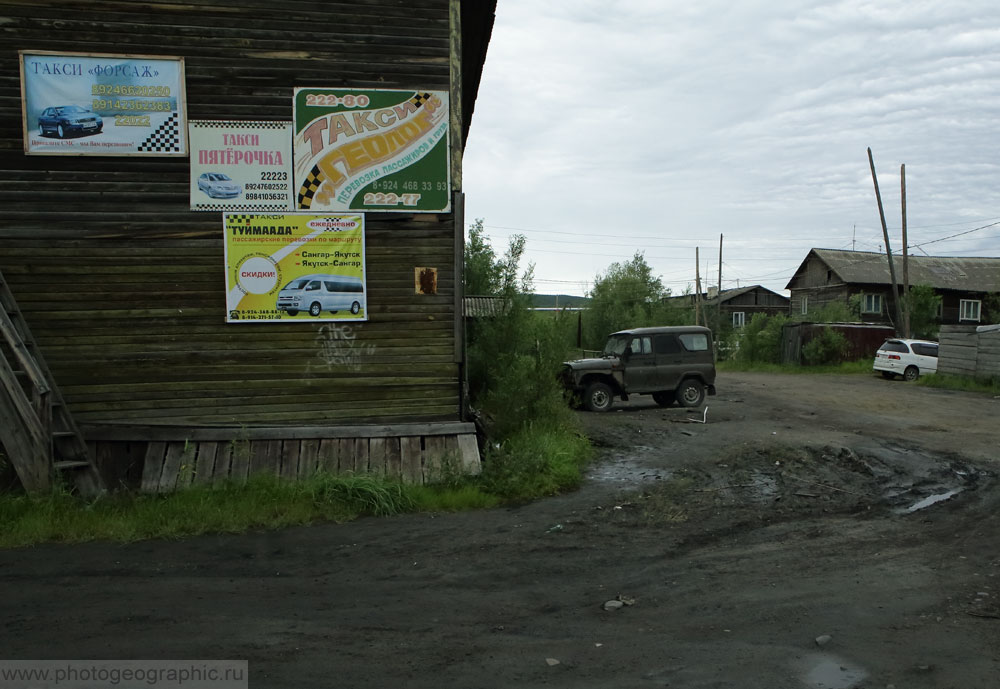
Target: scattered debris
(552,662)
(823,639)
(931,500)
(557,527)
(613,605)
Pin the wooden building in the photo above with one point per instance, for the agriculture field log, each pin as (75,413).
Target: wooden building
(738,305)
(829,275)
(120,284)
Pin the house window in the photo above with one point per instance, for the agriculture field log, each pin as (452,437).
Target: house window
(739,319)
(968,309)
(805,305)
(871,303)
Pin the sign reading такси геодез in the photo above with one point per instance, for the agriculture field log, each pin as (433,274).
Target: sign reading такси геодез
(371,150)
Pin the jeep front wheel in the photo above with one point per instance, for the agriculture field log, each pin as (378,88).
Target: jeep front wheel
(691,393)
(598,397)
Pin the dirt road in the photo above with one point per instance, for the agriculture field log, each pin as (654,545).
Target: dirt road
(793,515)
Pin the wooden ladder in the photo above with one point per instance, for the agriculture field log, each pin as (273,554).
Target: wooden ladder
(37,431)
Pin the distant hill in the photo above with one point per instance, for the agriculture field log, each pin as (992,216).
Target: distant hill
(549,301)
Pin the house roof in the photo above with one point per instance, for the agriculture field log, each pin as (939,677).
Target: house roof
(482,307)
(969,273)
(727,294)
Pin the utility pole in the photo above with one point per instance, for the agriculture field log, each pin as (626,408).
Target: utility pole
(906,256)
(697,288)
(718,298)
(888,249)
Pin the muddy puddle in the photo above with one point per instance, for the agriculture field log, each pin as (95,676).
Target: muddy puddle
(904,480)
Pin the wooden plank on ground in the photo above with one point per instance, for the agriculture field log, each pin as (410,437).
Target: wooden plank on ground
(329,451)
(290,450)
(468,450)
(182,432)
(345,456)
(393,469)
(171,467)
(152,467)
(260,458)
(308,457)
(189,460)
(435,450)
(411,460)
(205,467)
(376,456)
(239,468)
(361,455)
(223,463)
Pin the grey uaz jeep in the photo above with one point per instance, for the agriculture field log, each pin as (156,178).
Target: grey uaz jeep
(673,364)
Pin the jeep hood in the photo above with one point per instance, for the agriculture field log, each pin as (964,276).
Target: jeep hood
(592,364)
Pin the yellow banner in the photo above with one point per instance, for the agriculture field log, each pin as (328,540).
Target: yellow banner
(295,267)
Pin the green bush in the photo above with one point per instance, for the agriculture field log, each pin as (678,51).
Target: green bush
(829,347)
(760,340)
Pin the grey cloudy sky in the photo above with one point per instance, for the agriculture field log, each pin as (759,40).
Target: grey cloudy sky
(602,128)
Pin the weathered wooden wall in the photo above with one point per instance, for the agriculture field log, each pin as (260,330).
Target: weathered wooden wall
(966,352)
(123,286)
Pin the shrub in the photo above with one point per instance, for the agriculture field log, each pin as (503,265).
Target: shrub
(829,347)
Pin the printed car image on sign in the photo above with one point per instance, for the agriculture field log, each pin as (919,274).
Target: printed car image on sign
(371,149)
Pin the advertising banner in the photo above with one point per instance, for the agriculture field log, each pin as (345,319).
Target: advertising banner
(371,149)
(97,104)
(241,166)
(295,267)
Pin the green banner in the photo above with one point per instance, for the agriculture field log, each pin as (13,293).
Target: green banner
(371,150)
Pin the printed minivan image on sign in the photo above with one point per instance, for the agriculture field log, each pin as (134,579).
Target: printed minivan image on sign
(96,104)
(295,267)
(371,149)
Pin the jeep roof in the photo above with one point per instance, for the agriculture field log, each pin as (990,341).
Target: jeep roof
(659,330)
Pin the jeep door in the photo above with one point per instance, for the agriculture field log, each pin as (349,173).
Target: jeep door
(640,366)
(670,357)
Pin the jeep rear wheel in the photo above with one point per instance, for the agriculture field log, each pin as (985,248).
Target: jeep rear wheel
(598,397)
(691,393)
(664,398)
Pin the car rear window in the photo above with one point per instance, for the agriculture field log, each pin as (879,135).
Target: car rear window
(895,346)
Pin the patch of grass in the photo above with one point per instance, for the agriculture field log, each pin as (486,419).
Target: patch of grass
(664,503)
(846,367)
(535,461)
(263,502)
(946,381)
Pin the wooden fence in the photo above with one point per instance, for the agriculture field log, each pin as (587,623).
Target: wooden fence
(161,460)
(968,350)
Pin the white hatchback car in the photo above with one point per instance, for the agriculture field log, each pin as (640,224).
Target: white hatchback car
(908,358)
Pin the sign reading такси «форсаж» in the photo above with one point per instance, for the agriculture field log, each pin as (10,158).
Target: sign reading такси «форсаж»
(99,104)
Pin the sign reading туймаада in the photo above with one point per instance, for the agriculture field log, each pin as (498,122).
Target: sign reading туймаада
(295,267)
(371,149)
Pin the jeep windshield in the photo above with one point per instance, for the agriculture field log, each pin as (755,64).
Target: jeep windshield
(615,346)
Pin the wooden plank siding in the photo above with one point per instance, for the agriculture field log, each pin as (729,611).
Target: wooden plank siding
(123,286)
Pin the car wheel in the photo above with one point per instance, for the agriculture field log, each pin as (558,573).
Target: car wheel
(664,398)
(314,309)
(911,373)
(355,308)
(888,375)
(691,393)
(60,132)
(292,312)
(598,397)
(41,129)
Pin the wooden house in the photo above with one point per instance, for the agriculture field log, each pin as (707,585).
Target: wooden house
(118,285)
(829,275)
(738,305)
